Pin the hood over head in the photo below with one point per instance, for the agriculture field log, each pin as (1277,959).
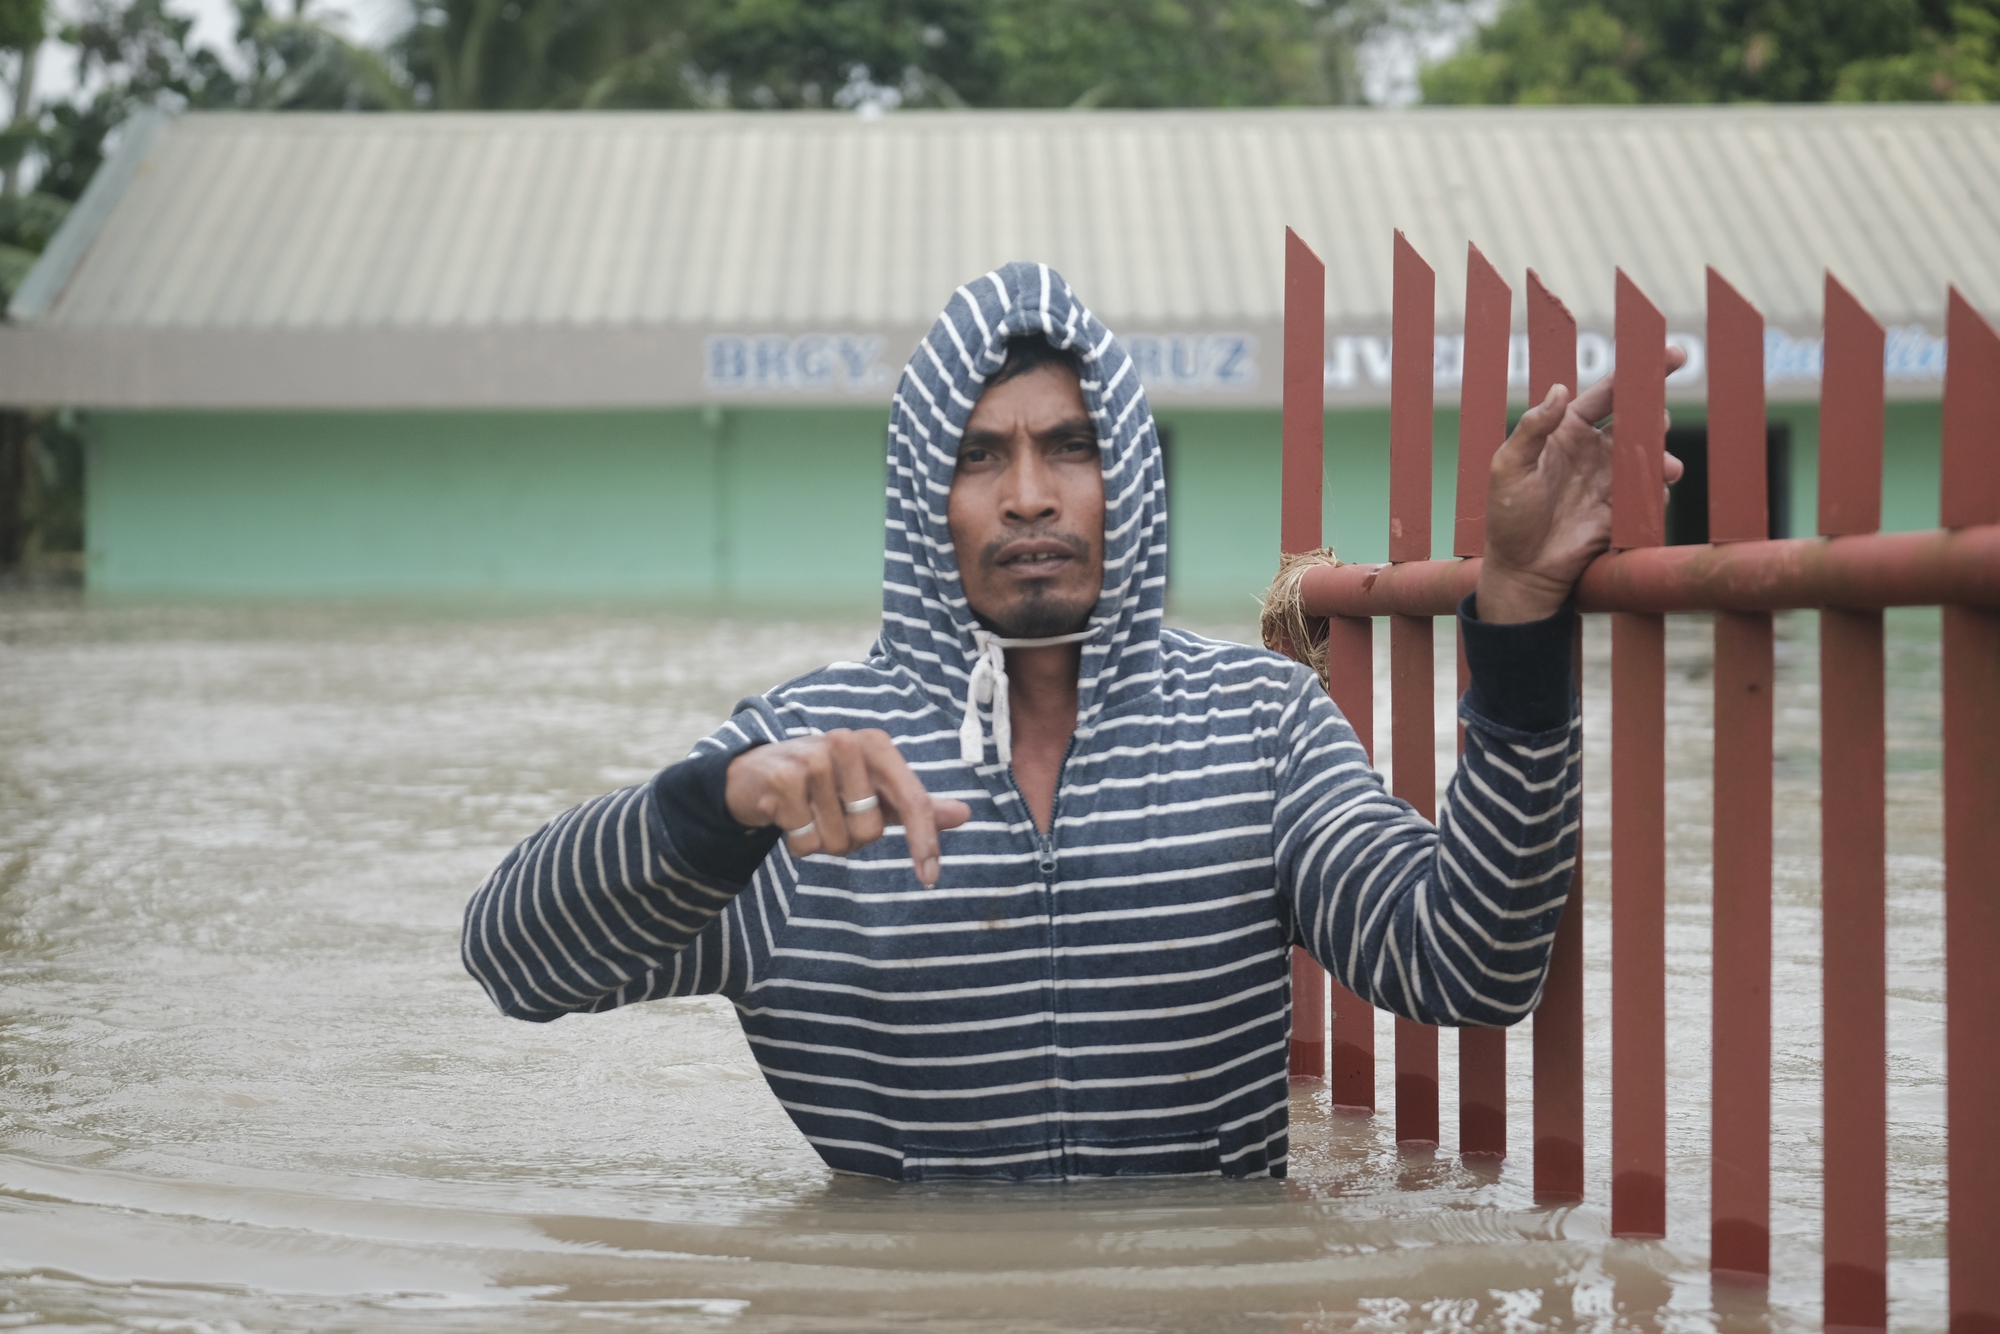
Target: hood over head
(927,626)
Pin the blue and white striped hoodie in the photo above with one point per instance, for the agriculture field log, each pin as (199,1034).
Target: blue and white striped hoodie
(1117,1001)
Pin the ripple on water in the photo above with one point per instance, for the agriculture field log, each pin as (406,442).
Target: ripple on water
(244,1083)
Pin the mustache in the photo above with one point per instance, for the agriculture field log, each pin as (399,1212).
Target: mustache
(989,555)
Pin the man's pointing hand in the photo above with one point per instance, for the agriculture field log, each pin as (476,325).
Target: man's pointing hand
(836,792)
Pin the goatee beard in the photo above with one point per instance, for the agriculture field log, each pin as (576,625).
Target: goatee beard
(1040,618)
(1040,614)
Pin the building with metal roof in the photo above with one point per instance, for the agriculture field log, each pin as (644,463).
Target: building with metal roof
(709,277)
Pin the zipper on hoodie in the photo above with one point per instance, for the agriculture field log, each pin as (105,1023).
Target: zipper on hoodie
(1045,844)
(1045,863)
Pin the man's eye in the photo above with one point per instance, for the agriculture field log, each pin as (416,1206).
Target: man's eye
(971,455)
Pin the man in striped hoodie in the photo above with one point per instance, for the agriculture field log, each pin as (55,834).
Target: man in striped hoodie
(1016,895)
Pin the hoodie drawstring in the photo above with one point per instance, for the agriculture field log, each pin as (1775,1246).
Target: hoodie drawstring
(989,686)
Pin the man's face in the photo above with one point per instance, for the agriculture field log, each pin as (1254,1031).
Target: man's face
(1027,507)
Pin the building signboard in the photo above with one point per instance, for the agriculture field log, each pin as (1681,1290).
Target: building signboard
(1228,368)
(653,366)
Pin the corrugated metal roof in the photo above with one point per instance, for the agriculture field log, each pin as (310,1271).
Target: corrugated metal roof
(656,259)
(482,221)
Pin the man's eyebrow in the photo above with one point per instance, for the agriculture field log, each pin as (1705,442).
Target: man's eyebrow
(1074,426)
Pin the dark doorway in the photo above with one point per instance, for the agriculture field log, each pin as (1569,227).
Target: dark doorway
(1687,504)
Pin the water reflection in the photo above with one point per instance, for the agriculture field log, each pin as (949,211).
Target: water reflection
(243,1082)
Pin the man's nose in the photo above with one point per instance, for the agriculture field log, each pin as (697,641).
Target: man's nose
(1031,495)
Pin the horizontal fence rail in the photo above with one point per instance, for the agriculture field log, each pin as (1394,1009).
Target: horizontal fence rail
(1848,574)
(1864,573)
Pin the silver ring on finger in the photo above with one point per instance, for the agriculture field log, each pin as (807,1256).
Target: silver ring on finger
(863,806)
(802,830)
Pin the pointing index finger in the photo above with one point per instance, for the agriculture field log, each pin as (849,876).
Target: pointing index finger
(901,788)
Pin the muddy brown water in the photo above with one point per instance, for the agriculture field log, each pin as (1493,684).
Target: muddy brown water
(244,1083)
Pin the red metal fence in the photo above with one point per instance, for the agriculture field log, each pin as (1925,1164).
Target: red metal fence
(1848,575)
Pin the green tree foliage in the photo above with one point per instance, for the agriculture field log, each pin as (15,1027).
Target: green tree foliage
(515,55)
(519,54)
(41,494)
(547,54)
(797,53)
(139,53)
(296,62)
(26,224)
(1613,51)
(1165,53)
(22,24)
(1958,62)
(134,55)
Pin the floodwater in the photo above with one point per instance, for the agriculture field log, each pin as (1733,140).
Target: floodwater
(244,1083)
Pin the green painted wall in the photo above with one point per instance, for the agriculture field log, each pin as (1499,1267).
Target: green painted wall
(1223,494)
(766,505)
(1910,436)
(269,503)
(1224,475)
(677,504)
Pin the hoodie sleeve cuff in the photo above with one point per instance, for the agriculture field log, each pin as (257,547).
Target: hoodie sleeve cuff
(1520,672)
(692,797)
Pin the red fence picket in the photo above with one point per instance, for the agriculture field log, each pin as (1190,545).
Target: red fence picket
(1350,671)
(1412,660)
(1349,1068)
(1302,467)
(1853,835)
(1848,576)
(1558,1032)
(1482,425)
(1638,787)
(1738,511)
(1970,477)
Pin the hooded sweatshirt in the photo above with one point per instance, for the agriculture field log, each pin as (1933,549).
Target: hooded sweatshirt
(1112,997)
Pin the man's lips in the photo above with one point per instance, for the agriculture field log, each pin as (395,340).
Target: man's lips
(1035,558)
